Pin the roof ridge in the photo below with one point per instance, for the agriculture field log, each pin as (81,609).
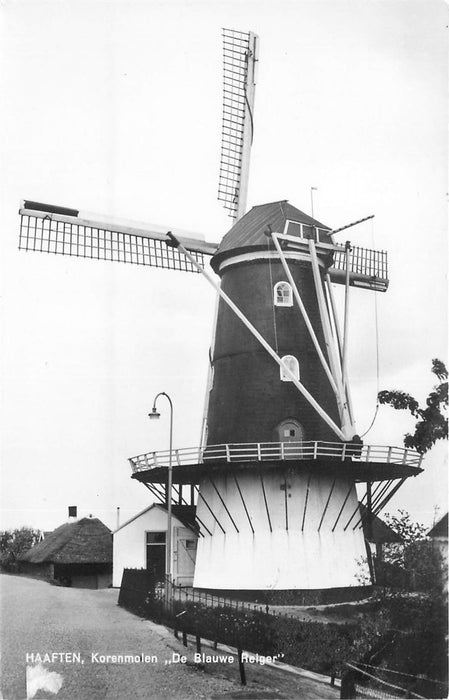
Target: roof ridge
(267,204)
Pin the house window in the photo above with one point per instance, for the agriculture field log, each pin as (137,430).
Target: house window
(283,295)
(190,544)
(293,365)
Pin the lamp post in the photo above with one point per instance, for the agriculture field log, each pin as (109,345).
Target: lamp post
(168,545)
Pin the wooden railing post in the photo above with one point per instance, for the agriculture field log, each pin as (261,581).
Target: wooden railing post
(241,666)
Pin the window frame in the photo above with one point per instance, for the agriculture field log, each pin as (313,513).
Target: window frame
(296,370)
(289,301)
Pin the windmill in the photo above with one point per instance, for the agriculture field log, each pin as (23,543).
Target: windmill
(274,478)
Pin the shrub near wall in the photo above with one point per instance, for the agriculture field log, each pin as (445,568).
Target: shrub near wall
(136,591)
(314,645)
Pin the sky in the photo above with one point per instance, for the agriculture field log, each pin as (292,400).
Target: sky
(115,107)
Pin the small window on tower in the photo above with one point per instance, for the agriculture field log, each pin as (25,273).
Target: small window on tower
(292,363)
(283,295)
(289,433)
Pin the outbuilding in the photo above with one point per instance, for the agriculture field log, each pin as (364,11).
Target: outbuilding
(439,538)
(377,533)
(140,543)
(77,553)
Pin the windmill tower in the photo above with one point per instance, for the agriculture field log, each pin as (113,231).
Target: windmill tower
(274,479)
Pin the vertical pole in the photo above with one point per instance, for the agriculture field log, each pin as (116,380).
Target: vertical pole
(169,509)
(369,529)
(346,317)
(203,436)
(333,359)
(311,199)
(168,501)
(248,126)
(339,342)
(241,666)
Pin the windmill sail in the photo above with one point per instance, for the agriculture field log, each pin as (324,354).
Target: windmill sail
(239,61)
(51,229)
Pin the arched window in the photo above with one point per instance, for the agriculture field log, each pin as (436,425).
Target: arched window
(293,365)
(283,295)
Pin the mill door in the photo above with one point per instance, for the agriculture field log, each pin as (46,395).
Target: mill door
(184,556)
(291,434)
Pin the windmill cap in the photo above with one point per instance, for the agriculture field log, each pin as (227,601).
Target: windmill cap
(251,230)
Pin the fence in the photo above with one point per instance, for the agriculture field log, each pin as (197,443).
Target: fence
(273,451)
(314,645)
(361,680)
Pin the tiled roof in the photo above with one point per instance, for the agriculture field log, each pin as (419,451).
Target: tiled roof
(249,231)
(85,541)
(440,528)
(185,514)
(380,531)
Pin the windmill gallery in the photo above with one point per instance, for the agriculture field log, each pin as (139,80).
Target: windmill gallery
(272,485)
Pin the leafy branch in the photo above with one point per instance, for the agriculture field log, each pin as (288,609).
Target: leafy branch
(432,422)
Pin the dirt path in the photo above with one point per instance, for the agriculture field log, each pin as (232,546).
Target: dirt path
(89,633)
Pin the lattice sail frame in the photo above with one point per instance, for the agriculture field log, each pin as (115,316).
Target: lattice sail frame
(50,231)
(239,61)
(58,230)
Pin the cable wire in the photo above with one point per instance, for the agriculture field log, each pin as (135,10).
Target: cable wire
(376,321)
(272,299)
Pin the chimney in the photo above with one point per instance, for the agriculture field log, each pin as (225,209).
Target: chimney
(73,516)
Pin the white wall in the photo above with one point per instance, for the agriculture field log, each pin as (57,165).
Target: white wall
(129,546)
(295,554)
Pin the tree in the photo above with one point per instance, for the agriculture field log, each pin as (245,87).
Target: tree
(432,423)
(409,532)
(13,543)
(415,557)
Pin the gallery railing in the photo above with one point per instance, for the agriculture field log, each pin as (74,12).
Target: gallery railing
(269,451)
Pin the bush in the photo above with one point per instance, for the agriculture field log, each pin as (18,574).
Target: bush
(314,645)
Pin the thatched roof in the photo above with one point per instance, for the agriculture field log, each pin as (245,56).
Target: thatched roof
(85,541)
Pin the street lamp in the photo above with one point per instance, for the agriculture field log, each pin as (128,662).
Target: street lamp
(168,545)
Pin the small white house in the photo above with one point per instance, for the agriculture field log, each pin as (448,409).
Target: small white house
(140,543)
(439,538)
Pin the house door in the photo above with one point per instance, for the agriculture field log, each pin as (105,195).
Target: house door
(291,434)
(155,554)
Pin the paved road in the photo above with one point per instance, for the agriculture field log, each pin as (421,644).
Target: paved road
(75,624)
